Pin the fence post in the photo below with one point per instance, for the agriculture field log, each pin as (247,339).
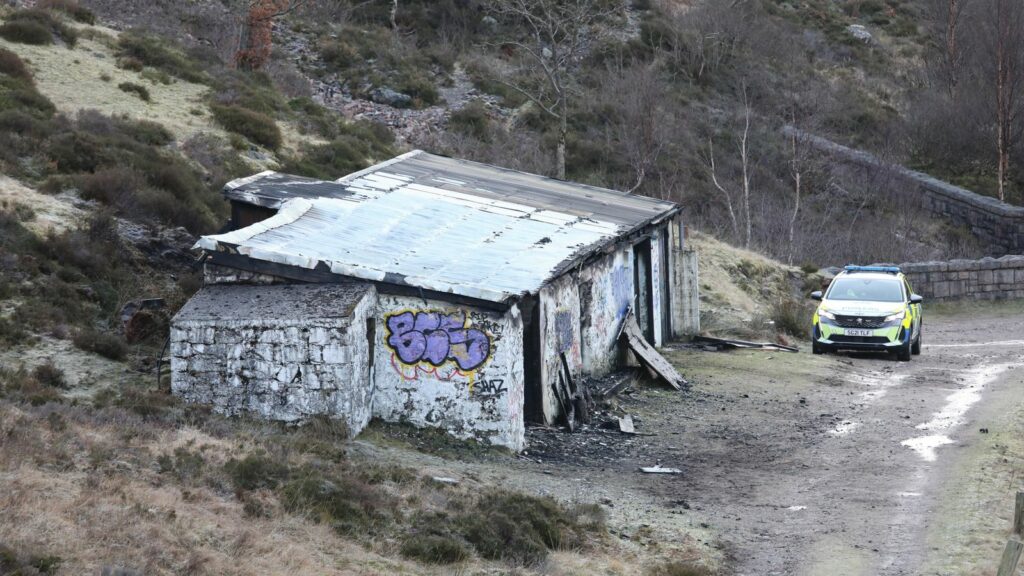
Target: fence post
(1011,556)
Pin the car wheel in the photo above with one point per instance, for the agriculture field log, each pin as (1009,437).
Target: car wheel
(916,348)
(904,352)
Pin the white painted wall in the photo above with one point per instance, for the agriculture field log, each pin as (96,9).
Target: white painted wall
(480,401)
(287,370)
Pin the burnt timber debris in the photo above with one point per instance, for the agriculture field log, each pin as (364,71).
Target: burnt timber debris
(727,344)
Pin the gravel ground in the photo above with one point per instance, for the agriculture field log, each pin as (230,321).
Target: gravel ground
(793,463)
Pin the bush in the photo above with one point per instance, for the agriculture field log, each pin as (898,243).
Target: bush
(13,66)
(25,32)
(434,549)
(184,464)
(71,8)
(137,89)
(131,64)
(344,502)
(17,563)
(472,120)
(521,528)
(339,55)
(257,127)
(156,52)
(356,146)
(18,384)
(421,88)
(792,317)
(35,26)
(107,345)
(49,374)
(256,471)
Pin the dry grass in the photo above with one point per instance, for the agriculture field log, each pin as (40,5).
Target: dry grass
(110,487)
(740,289)
(51,213)
(88,78)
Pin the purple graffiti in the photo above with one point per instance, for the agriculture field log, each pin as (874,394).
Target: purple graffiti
(436,337)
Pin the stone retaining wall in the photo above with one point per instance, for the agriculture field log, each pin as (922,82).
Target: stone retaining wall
(985,279)
(998,226)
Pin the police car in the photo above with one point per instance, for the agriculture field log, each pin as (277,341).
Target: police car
(868,308)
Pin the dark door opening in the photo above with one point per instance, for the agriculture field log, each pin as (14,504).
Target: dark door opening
(371,337)
(533,394)
(643,296)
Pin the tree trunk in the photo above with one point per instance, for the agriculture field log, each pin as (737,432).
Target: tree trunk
(563,131)
(744,156)
(796,206)
(952,49)
(394,14)
(1002,105)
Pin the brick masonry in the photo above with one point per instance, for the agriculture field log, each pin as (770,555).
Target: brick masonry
(985,279)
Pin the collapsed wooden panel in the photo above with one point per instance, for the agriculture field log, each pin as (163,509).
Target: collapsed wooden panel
(632,336)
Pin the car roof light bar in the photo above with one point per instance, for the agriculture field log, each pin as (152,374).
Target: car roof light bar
(889,269)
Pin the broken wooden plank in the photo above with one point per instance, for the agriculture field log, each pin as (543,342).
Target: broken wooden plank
(659,470)
(733,344)
(647,355)
(626,424)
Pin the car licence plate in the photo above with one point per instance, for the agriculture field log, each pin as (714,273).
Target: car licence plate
(857,332)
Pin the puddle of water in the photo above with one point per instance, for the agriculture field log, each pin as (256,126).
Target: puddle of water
(797,508)
(908,494)
(844,428)
(925,445)
(879,382)
(952,414)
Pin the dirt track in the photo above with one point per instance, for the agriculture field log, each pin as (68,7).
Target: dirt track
(796,464)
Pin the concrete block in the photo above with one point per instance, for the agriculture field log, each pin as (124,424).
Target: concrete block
(941,290)
(1004,276)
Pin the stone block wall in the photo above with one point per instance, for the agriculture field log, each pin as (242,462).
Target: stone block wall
(998,226)
(985,279)
(279,368)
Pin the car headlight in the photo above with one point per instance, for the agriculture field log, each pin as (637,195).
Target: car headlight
(897,316)
(826,314)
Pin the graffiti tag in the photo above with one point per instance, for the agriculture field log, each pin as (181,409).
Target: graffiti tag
(622,288)
(437,338)
(564,330)
(490,388)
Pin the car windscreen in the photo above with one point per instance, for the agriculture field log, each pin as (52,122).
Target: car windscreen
(870,289)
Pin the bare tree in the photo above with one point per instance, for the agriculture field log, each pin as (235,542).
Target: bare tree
(745,161)
(557,35)
(640,120)
(394,14)
(953,52)
(726,195)
(1008,55)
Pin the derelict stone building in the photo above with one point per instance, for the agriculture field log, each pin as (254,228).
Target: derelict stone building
(424,289)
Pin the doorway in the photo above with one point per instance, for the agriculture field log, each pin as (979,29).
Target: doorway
(643,295)
(533,393)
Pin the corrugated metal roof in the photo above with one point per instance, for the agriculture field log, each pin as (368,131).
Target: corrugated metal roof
(435,223)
